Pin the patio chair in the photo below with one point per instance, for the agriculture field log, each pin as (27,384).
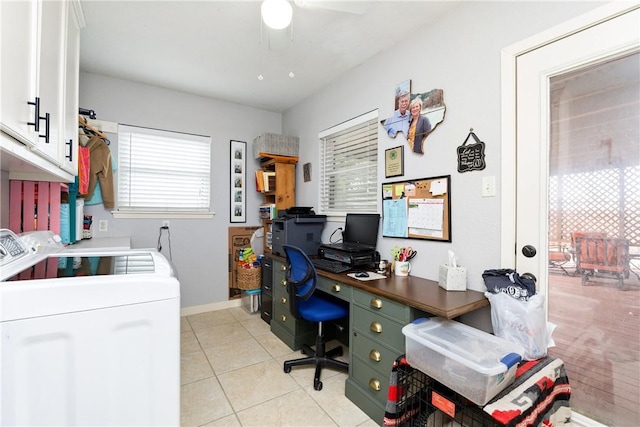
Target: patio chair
(559,255)
(578,234)
(602,255)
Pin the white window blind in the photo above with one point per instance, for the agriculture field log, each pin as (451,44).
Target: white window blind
(349,166)
(161,171)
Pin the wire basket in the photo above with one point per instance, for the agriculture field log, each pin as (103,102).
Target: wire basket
(249,278)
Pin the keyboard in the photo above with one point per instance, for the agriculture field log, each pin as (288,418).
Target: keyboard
(329,265)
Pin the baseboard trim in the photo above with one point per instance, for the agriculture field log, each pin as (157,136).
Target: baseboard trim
(197,309)
(579,420)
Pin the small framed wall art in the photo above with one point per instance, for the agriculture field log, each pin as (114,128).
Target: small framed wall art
(394,161)
(238,188)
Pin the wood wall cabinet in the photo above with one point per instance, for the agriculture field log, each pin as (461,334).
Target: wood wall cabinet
(283,194)
(40,51)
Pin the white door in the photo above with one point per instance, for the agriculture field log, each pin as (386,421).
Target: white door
(534,69)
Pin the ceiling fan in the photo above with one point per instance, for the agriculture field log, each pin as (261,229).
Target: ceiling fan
(277,14)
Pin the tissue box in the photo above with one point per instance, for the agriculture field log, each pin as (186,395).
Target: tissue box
(453,278)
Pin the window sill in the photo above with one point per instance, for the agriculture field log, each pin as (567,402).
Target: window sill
(162,215)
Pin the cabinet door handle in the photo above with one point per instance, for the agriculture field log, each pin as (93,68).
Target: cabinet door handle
(374,384)
(376,303)
(375,355)
(36,115)
(47,120)
(283,300)
(376,327)
(336,287)
(70,155)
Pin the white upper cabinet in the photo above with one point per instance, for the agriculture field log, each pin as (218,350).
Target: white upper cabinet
(69,148)
(19,39)
(51,77)
(40,59)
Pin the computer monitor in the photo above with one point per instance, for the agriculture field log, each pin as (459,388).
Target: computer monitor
(361,228)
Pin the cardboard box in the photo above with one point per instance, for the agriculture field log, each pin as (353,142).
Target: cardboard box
(452,278)
(239,238)
(469,361)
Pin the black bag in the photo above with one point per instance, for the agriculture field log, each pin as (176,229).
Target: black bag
(510,282)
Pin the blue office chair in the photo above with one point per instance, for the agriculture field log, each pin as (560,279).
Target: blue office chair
(307,305)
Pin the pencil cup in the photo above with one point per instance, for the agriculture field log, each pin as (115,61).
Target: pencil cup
(402,268)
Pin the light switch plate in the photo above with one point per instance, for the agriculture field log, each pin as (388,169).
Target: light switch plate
(489,186)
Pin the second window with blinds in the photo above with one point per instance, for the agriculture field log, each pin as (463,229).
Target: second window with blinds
(349,166)
(162,172)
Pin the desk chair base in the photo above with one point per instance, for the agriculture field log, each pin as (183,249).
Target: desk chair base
(319,358)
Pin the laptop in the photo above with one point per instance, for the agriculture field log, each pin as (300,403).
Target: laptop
(360,233)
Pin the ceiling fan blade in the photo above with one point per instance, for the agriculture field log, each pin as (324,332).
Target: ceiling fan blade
(354,7)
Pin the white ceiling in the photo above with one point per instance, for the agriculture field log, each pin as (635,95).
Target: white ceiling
(218,48)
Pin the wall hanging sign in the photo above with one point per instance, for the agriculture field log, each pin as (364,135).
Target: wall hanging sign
(417,209)
(238,159)
(394,161)
(471,157)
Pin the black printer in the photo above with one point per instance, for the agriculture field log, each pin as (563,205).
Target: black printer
(297,226)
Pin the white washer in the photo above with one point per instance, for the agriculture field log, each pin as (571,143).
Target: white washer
(100,347)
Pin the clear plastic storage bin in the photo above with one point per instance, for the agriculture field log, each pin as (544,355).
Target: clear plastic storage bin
(471,362)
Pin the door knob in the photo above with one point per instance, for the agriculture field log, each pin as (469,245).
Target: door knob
(529,251)
(529,276)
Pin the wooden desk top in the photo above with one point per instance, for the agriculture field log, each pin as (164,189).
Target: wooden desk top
(416,292)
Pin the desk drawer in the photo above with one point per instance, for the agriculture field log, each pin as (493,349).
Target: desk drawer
(283,317)
(378,328)
(370,352)
(380,304)
(373,383)
(337,289)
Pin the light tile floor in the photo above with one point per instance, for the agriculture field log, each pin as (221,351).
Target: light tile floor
(231,375)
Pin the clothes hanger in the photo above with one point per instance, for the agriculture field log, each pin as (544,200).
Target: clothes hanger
(83,122)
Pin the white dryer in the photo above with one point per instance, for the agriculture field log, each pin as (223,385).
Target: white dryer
(87,337)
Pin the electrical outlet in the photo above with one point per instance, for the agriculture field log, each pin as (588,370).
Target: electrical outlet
(489,186)
(103,225)
(165,223)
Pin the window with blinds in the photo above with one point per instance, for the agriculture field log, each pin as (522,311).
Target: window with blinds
(349,166)
(162,172)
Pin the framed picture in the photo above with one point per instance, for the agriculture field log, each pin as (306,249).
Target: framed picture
(394,161)
(238,187)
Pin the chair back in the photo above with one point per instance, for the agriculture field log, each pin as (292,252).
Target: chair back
(301,277)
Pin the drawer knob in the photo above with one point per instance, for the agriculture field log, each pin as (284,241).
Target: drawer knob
(283,317)
(336,287)
(283,300)
(374,384)
(375,355)
(283,282)
(376,327)
(283,268)
(376,303)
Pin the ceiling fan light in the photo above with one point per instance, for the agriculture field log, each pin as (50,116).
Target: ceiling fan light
(276,14)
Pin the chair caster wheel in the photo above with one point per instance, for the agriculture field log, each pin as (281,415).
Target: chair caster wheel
(317,385)
(287,369)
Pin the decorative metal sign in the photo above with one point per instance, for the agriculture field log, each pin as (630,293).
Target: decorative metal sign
(471,157)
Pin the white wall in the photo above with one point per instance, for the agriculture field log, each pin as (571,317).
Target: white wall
(198,247)
(459,53)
